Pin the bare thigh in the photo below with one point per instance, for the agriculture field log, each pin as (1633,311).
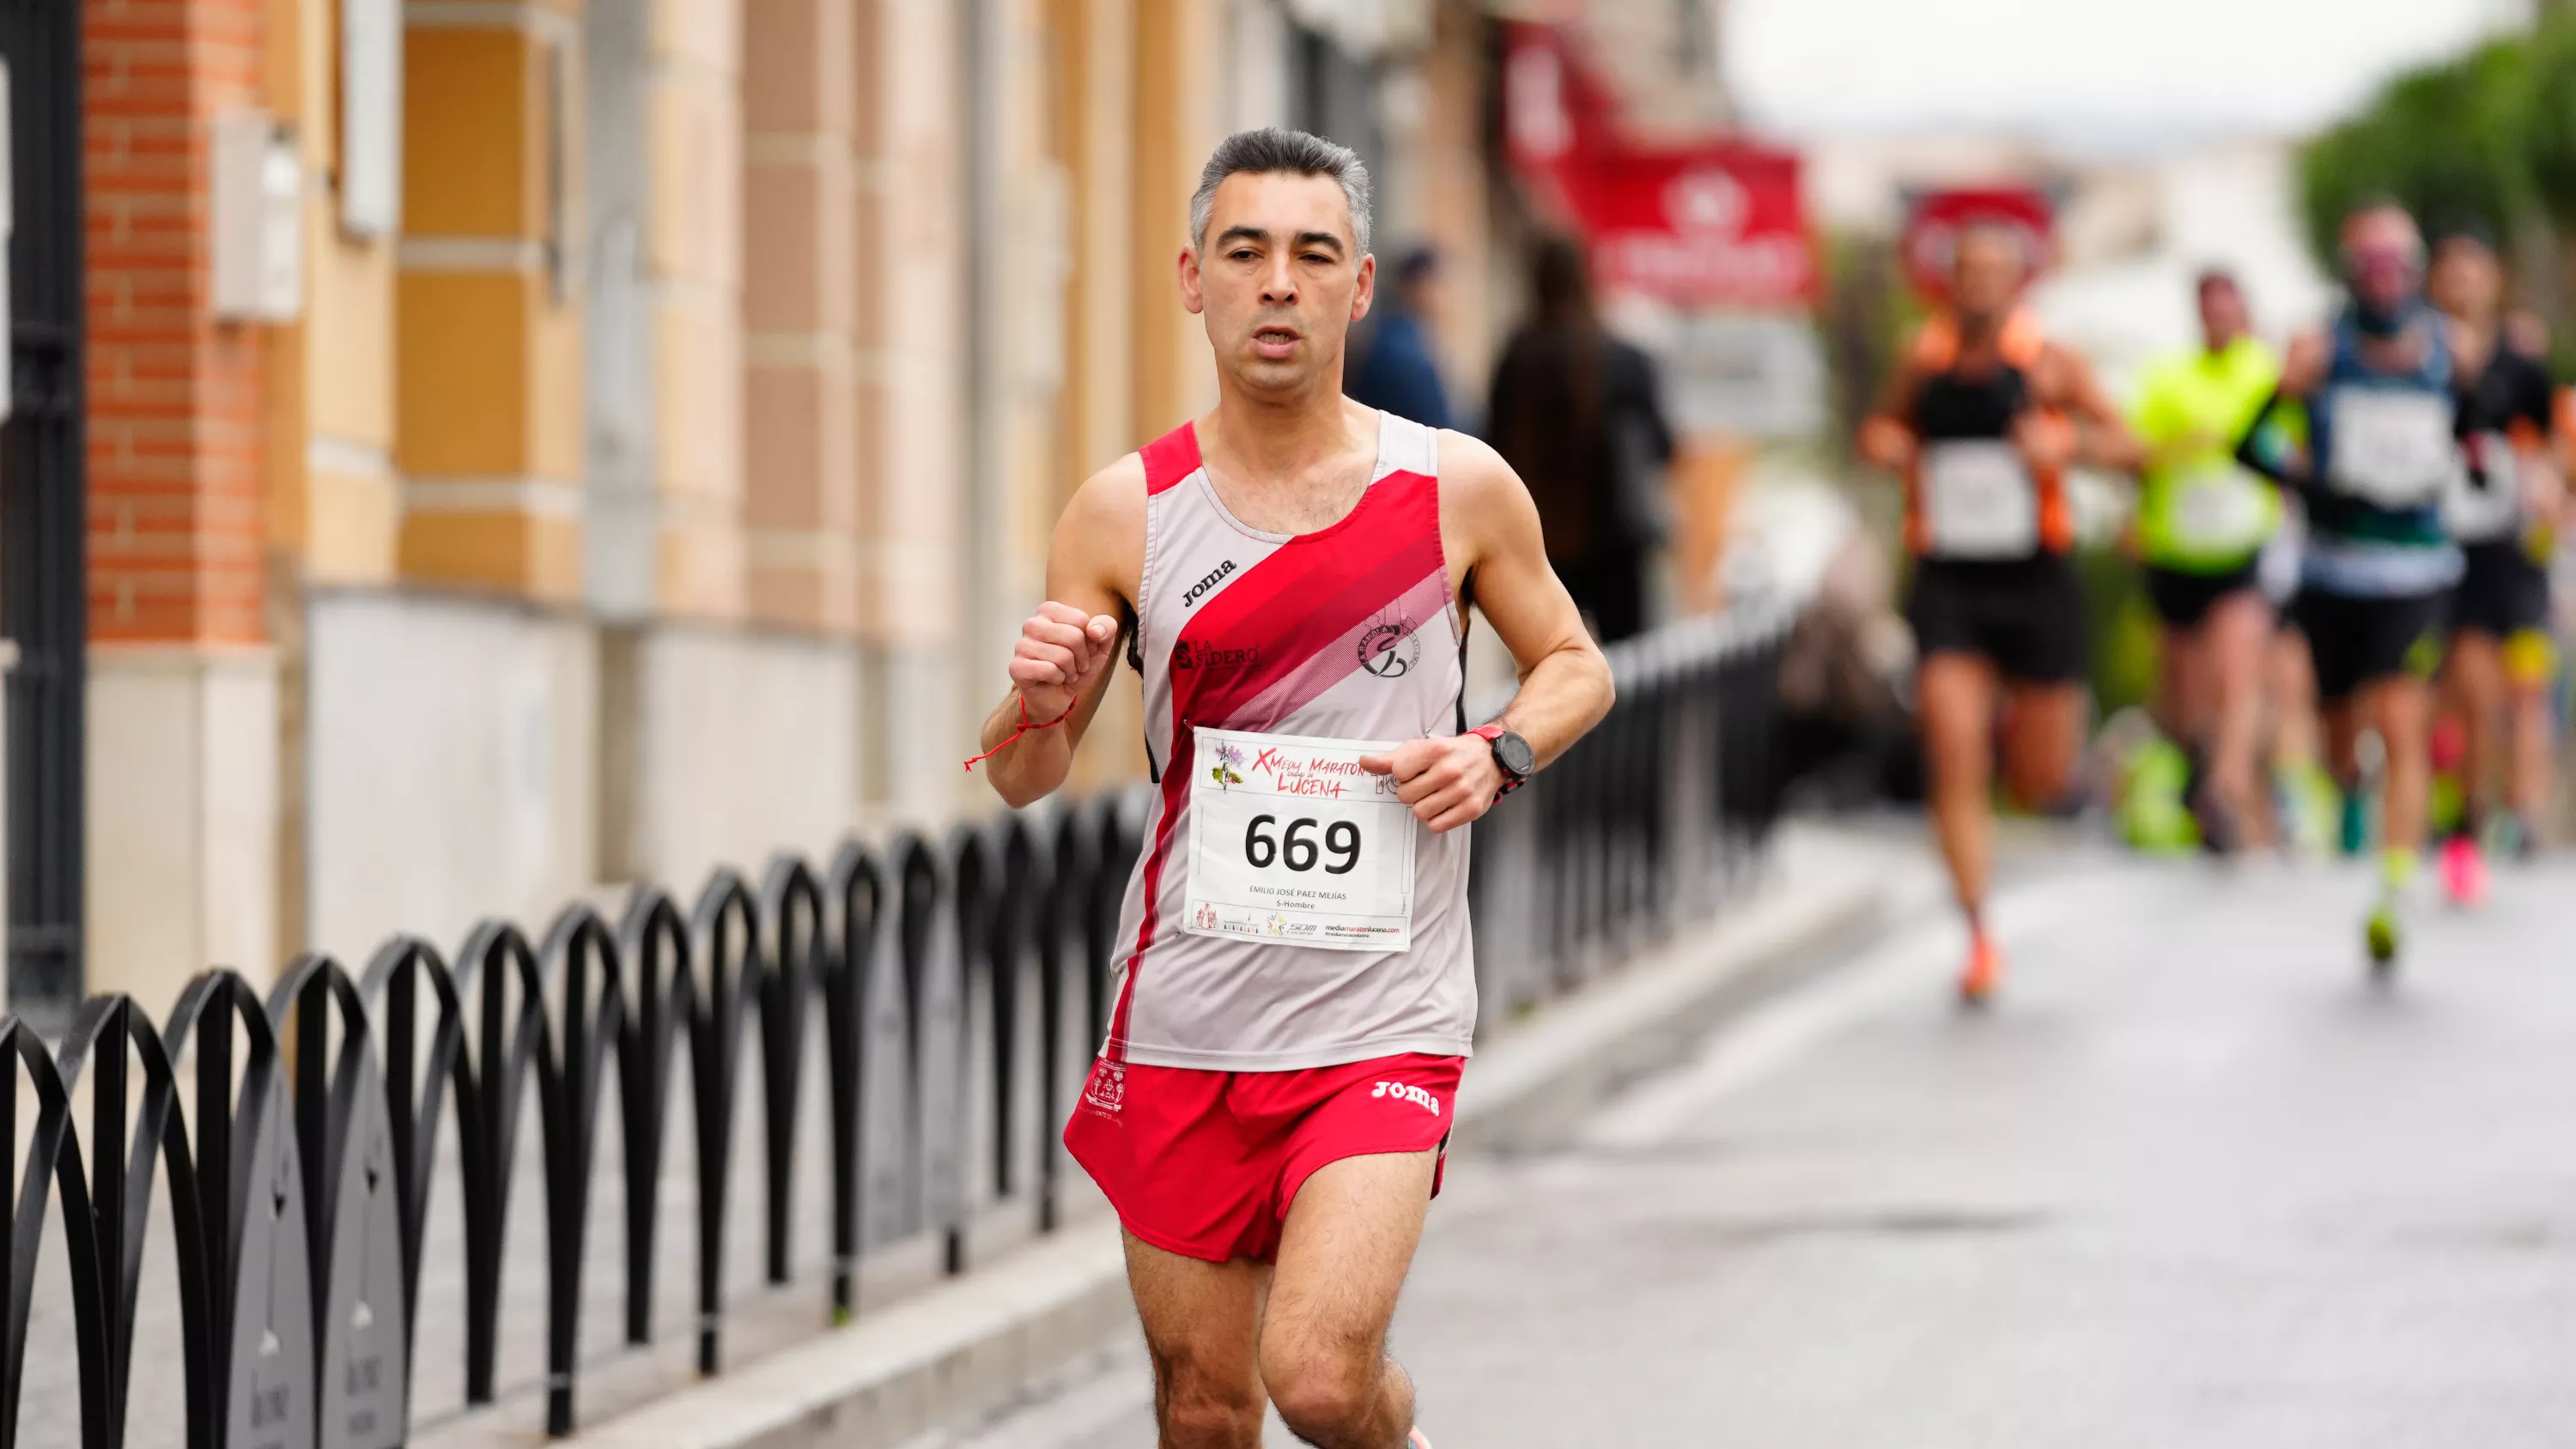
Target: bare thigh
(1343,1256)
(2043,732)
(1202,1325)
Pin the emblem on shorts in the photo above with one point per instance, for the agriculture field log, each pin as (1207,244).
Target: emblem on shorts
(1390,650)
(1106,1092)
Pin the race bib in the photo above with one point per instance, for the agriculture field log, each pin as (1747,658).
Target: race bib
(1979,500)
(2219,510)
(1293,843)
(2393,449)
(2484,513)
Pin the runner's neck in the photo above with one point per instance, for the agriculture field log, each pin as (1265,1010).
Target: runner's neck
(1291,473)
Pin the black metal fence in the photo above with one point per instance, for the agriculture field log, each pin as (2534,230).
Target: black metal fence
(924,1009)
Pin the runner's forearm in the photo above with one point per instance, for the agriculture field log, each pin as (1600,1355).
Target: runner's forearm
(1031,767)
(1561,696)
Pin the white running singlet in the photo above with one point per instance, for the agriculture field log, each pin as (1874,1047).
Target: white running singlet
(1348,633)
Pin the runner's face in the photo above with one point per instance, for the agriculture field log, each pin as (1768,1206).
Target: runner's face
(1986,278)
(2466,282)
(2222,314)
(2383,258)
(1278,278)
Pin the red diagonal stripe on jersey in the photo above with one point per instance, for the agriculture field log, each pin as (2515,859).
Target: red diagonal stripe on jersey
(1309,594)
(1176,791)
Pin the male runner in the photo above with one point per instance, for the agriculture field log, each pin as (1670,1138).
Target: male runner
(1296,985)
(1982,418)
(2502,511)
(2203,519)
(2376,573)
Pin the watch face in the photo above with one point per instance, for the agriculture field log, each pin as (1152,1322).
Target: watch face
(1515,755)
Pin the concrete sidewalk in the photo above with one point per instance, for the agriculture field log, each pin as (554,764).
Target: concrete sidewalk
(976,1342)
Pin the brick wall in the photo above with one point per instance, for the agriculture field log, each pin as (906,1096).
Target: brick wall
(176,488)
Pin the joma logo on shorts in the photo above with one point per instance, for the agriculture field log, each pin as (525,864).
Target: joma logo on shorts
(1199,590)
(1405,1092)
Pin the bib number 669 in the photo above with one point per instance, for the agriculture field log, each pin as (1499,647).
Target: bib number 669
(1264,845)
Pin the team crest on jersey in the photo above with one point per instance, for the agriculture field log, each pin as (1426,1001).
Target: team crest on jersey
(1389,649)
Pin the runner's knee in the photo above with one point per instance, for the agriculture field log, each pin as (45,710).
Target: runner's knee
(1198,1411)
(1324,1394)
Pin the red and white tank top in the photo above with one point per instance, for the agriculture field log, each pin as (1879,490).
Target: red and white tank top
(1347,633)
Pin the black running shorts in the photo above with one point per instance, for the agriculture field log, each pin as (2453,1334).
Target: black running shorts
(2183,600)
(2358,641)
(2502,592)
(2026,615)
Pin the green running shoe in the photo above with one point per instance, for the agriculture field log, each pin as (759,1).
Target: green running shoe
(2382,935)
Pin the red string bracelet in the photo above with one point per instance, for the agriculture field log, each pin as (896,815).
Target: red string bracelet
(1026,725)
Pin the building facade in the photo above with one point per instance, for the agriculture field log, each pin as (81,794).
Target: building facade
(534,444)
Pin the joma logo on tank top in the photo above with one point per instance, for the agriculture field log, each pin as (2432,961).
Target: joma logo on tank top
(1200,589)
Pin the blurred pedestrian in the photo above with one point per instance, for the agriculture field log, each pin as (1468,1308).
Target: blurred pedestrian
(1982,419)
(2203,521)
(1391,366)
(2362,426)
(1574,412)
(2503,510)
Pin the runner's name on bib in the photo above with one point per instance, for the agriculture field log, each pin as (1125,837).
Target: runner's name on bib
(1979,500)
(2392,448)
(2218,508)
(1292,843)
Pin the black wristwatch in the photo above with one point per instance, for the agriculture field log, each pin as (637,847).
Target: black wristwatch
(1512,755)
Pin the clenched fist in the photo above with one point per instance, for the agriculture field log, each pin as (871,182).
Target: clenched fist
(1061,652)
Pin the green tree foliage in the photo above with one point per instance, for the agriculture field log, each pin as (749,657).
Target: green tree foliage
(2549,118)
(2455,142)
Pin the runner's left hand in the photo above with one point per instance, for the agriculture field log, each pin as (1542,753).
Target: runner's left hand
(1448,782)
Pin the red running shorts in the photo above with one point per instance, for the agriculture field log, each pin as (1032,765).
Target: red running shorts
(1205,1163)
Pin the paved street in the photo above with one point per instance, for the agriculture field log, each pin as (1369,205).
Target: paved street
(2192,1184)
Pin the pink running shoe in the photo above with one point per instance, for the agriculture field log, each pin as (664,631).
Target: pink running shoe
(2464,871)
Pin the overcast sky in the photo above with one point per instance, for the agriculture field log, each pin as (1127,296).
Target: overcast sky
(2119,72)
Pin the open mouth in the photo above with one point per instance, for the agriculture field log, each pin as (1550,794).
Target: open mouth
(1274,342)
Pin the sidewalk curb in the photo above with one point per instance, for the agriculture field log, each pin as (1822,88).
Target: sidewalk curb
(974,1342)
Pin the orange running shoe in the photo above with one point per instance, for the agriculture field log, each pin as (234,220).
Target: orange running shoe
(1985,971)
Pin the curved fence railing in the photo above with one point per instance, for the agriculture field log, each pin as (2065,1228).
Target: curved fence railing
(912,1020)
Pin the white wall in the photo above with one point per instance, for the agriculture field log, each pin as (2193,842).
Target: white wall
(182,816)
(451,749)
(745,744)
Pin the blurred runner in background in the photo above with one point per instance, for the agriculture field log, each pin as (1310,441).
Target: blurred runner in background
(2362,424)
(1392,367)
(2502,510)
(1982,418)
(2203,519)
(1574,412)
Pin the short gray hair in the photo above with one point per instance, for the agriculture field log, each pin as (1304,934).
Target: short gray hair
(1275,149)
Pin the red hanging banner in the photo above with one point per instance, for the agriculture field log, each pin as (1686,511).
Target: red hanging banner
(1721,223)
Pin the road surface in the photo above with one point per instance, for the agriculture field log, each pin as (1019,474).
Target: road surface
(2192,1183)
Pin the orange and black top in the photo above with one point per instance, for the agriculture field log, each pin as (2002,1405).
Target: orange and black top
(1953,406)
